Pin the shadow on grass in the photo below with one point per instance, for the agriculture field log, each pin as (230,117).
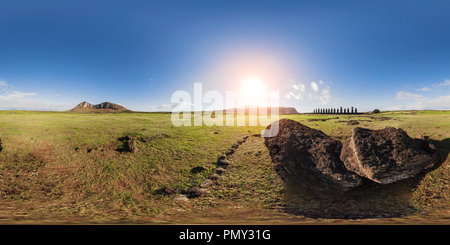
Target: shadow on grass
(369,200)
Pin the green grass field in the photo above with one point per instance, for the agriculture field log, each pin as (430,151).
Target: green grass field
(71,167)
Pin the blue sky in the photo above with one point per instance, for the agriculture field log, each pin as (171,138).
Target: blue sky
(318,54)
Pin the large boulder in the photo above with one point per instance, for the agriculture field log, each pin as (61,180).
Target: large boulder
(308,159)
(387,155)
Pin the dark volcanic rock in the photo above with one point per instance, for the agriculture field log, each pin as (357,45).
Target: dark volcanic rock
(170,191)
(196,192)
(222,163)
(387,155)
(309,160)
(229,151)
(197,169)
(219,170)
(132,146)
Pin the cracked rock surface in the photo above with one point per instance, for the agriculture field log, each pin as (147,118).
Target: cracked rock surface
(387,155)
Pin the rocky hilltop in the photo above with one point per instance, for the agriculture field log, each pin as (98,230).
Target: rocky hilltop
(104,105)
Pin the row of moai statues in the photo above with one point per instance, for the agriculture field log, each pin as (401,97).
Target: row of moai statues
(335,111)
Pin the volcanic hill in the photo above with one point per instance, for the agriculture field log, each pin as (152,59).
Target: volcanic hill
(104,105)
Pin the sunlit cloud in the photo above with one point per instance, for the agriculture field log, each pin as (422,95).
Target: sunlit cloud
(293,96)
(315,87)
(171,106)
(443,84)
(424,89)
(15,100)
(325,98)
(21,101)
(403,95)
(442,102)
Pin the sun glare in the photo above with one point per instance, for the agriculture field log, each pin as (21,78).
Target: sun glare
(252,88)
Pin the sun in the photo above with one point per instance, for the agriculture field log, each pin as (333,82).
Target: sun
(253,88)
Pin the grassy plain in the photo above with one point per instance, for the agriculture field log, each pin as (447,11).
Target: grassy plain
(70,167)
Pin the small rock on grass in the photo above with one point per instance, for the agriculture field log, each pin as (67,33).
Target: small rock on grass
(197,169)
(169,190)
(229,152)
(207,183)
(219,170)
(214,176)
(223,163)
(196,192)
(181,198)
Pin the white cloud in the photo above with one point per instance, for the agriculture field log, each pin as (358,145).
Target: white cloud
(172,106)
(442,102)
(168,106)
(325,98)
(424,89)
(315,87)
(300,87)
(292,95)
(445,83)
(296,87)
(20,101)
(15,100)
(402,95)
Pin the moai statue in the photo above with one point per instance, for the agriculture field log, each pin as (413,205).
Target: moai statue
(348,110)
(356,110)
(345,111)
(334,110)
(340,112)
(352,109)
